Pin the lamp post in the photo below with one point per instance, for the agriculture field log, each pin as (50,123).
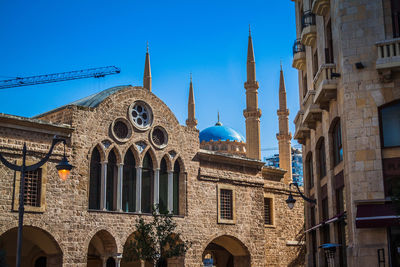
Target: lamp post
(290,201)
(63,168)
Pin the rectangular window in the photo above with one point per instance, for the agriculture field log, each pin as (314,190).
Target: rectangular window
(310,175)
(322,160)
(329,43)
(315,62)
(33,187)
(389,116)
(268,211)
(337,144)
(395,5)
(34,190)
(226,211)
(305,88)
(226,203)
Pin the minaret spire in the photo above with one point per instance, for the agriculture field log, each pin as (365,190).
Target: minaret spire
(147,70)
(191,121)
(252,113)
(284,136)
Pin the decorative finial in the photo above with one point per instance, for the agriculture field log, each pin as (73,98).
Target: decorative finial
(249,30)
(218,122)
(281,64)
(190,77)
(218,116)
(147,47)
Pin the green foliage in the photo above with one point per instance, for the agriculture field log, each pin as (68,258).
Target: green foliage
(155,240)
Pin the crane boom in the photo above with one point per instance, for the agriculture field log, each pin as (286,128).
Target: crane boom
(59,77)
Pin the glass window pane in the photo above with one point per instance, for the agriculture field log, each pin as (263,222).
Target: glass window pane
(95,180)
(112,172)
(163,196)
(147,184)
(129,183)
(390,121)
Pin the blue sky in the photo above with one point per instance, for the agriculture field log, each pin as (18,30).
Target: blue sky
(207,38)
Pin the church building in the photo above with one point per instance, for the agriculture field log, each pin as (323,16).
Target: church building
(129,153)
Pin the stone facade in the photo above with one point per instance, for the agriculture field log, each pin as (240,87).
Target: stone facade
(347,74)
(68,233)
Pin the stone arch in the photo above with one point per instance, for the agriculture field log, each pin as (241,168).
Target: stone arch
(153,156)
(101,150)
(101,246)
(168,161)
(132,263)
(117,153)
(135,152)
(333,123)
(36,243)
(180,161)
(227,250)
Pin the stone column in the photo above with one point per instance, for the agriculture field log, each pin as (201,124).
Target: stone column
(103,185)
(104,261)
(139,189)
(118,259)
(170,191)
(156,199)
(119,186)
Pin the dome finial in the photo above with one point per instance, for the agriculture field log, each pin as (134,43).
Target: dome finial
(218,122)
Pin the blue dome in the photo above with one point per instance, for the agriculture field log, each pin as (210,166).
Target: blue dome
(219,132)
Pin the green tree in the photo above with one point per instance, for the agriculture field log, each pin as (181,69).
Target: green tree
(155,241)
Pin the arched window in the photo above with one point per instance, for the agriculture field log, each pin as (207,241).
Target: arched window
(310,173)
(111,185)
(129,183)
(321,158)
(95,180)
(337,143)
(147,184)
(177,172)
(163,200)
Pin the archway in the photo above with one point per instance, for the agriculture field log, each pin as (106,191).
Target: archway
(126,256)
(102,248)
(226,251)
(39,248)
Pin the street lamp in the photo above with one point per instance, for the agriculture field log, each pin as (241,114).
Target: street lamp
(290,201)
(63,168)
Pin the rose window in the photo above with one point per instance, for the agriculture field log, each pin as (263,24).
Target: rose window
(141,115)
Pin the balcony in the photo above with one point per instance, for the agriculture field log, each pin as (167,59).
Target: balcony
(299,55)
(312,111)
(301,133)
(309,30)
(388,54)
(325,85)
(320,7)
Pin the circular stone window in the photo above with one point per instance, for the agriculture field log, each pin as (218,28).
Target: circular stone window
(121,129)
(159,137)
(140,115)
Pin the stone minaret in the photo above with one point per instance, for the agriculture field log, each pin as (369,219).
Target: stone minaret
(252,113)
(147,71)
(191,120)
(284,136)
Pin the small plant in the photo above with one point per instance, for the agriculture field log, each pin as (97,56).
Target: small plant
(155,241)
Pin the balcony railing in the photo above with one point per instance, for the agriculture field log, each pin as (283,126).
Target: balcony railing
(299,55)
(320,7)
(312,111)
(309,31)
(301,133)
(325,85)
(388,54)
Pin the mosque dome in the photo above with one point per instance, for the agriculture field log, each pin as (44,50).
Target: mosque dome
(220,132)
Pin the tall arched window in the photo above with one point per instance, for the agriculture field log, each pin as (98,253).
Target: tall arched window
(321,158)
(337,143)
(177,171)
(163,200)
(310,172)
(147,184)
(129,183)
(95,180)
(111,185)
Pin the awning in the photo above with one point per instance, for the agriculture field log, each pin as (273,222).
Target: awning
(376,215)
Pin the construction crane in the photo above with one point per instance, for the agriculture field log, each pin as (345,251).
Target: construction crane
(59,77)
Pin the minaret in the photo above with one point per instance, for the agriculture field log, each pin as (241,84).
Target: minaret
(252,113)
(191,121)
(284,136)
(147,71)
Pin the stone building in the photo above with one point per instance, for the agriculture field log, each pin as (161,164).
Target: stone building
(347,56)
(130,152)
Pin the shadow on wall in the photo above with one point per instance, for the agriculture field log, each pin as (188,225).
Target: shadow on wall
(300,250)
